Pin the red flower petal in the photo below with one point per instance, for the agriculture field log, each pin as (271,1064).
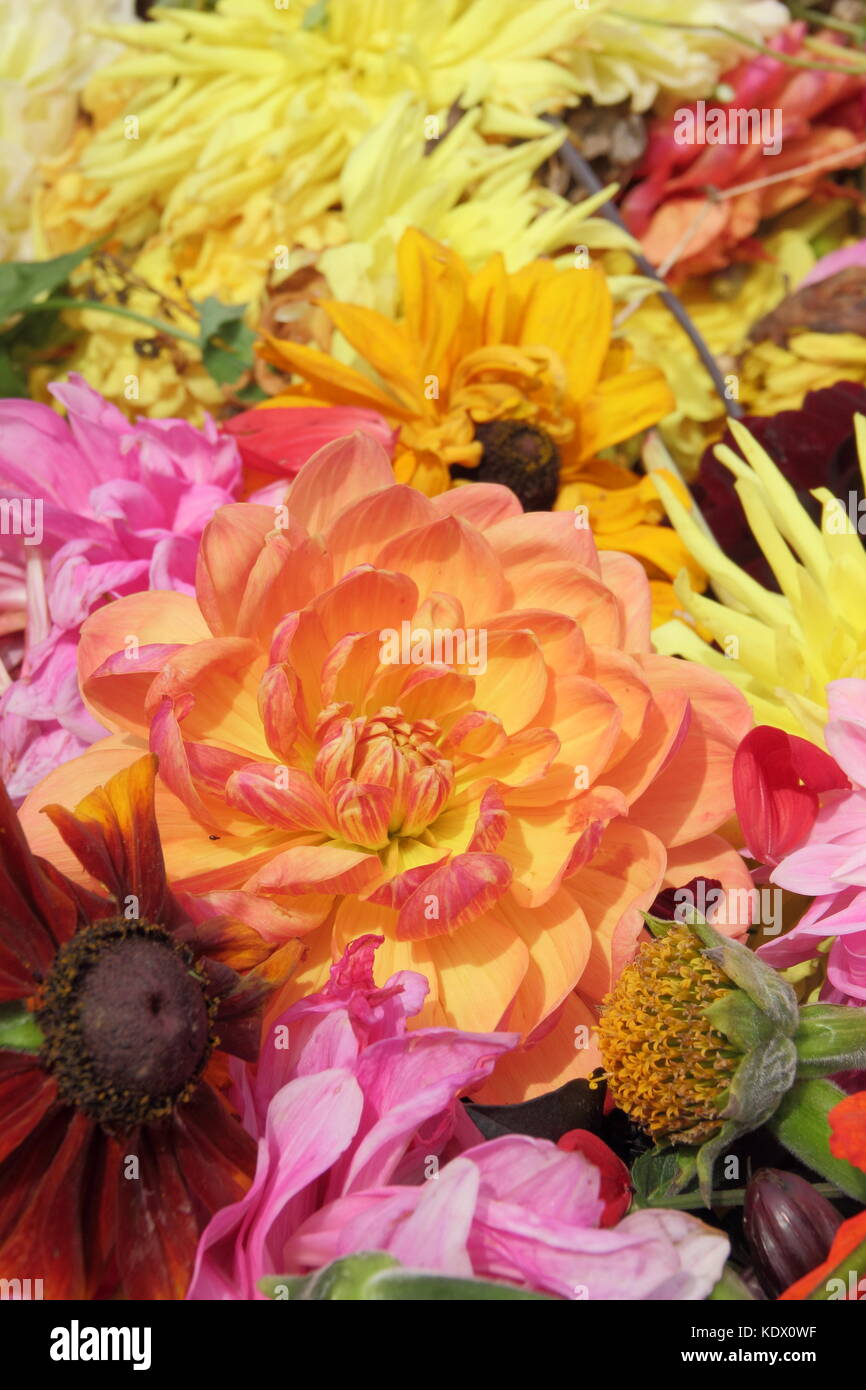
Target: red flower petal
(848,1129)
(615,1188)
(26,1094)
(41,1206)
(777,780)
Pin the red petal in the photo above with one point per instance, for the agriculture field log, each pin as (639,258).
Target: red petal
(777,780)
(157,1226)
(26,1094)
(37,913)
(615,1186)
(41,1206)
(114,835)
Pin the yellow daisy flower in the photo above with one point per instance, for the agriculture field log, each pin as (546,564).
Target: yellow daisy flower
(502,378)
(782,648)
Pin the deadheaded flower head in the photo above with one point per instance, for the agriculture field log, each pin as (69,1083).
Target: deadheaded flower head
(701,1040)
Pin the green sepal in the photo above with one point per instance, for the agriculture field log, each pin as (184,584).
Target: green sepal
(761,982)
(831,1038)
(19,1031)
(658,926)
(741,1020)
(801,1123)
(374,1276)
(758,1085)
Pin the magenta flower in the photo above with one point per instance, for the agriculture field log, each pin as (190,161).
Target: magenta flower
(95,508)
(830,863)
(363,1145)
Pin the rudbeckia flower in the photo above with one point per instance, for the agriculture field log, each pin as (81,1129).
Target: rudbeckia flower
(781,648)
(511,378)
(437,720)
(116,1141)
(352,1113)
(491,377)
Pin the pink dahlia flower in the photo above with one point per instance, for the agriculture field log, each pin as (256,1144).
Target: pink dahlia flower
(108,508)
(830,862)
(362,1145)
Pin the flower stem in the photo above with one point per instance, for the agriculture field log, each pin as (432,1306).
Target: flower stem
(585,175)
(68,302)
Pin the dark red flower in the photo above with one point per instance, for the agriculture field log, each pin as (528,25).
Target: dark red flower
(813,447)
(116,1142)
(777,781)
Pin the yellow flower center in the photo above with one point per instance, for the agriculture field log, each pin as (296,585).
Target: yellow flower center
(667,1066)
(390,751)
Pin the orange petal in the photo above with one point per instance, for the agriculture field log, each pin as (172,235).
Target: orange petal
(128,624)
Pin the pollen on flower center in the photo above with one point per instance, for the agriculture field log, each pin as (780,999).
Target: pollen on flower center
(385,774)
(127,1023)
(667,1066)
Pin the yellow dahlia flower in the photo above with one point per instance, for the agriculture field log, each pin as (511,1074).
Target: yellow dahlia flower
(781,649)
(48,54)
(265,101)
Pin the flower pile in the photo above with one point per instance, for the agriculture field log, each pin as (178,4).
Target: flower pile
(432,673)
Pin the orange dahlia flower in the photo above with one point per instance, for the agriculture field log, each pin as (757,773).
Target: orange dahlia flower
(437,720)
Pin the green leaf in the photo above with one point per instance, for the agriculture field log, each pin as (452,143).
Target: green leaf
(19,1031)
(801,1123)
(13,379)
(662,1174)
(225,341)
(22,282)
(374,1276)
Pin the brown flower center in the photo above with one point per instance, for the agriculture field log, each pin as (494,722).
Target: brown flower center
(520,456)
(127,1023)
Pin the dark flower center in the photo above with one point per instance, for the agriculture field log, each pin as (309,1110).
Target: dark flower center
(127,1023)
(522,457)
